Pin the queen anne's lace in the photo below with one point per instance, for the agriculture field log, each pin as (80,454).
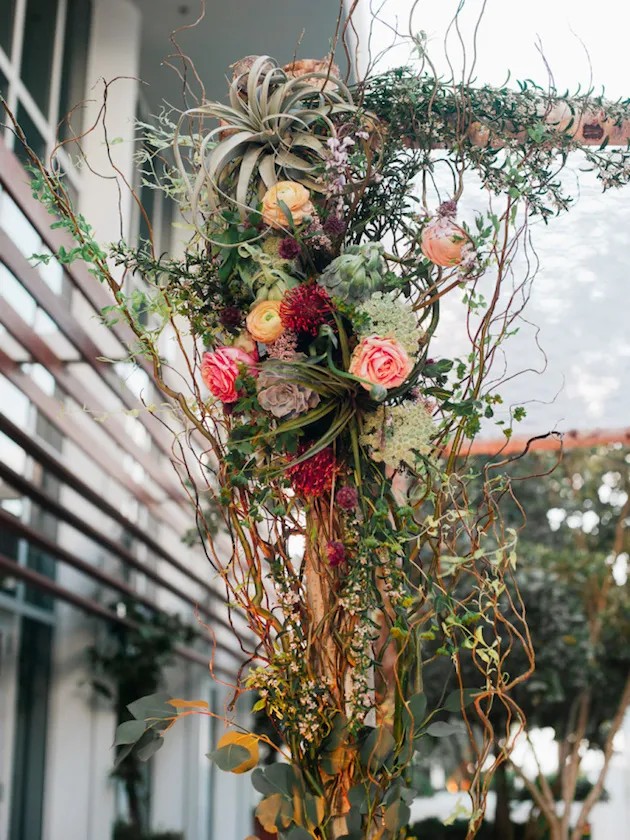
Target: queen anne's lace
(397,434)
(390,317)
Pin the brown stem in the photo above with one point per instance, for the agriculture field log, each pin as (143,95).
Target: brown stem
(598,787)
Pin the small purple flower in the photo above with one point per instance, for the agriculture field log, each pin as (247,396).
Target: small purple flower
(334,226)
(230,317)
(289,248)
(347,497)
(447,208)
(336,553)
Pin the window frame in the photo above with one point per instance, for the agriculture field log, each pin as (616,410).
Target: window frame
(18,94)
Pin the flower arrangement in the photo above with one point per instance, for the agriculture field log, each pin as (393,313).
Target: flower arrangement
(362,555)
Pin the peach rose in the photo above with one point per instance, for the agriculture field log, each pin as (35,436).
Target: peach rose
(296,197)
(221,369)
(443,242)
(303,69)
(381,361)
(264,323)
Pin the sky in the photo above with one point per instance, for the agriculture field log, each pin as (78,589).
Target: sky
(510,31)
(578,312)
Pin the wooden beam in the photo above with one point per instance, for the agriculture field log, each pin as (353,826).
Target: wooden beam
(553,441)
(589,126)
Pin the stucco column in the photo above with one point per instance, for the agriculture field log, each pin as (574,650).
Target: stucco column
(114,57)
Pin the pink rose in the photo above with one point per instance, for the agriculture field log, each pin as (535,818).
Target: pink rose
(381,361)
(220,370)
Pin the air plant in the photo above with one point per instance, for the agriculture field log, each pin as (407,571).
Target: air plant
(277,131)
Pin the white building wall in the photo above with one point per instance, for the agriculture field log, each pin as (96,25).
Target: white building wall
(80,795)
(114,57)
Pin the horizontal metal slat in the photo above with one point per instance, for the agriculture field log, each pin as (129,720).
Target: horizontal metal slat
(15,525)
(41,353)
(53,465)
(22,485)
(10,567)
(50,408)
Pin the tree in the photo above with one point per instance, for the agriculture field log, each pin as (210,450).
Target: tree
(572,550)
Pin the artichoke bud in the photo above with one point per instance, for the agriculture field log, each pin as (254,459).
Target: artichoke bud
(357,273)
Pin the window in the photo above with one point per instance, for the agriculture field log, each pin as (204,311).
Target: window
(38,45)
(75,54)
(32,135)
(43,71)
(7,16)
(29,757)
(4,85)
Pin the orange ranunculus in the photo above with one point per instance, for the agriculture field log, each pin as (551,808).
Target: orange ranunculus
(264,322)
(296,197)
(380,361)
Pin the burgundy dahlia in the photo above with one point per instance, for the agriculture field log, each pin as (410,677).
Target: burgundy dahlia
(305,308)
(230,317)
(336,553)
(313,477)
(347,497)
(289,248)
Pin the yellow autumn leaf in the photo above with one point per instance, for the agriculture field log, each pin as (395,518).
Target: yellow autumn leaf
(340,759)
(188,704)
(273,808)
(248,742)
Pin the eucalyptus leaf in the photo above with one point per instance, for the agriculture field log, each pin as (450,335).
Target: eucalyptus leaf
(279,778)
(298,833)
(441,729)
(145,752)
(417,709)
(455,700)
(153,707)
(229,757)
(129,732)
(376,748)
(397,816)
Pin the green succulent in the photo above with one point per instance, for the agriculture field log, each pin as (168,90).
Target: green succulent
(265,276)
(274,129)
(357,273)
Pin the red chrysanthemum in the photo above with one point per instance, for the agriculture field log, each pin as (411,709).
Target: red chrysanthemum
(313,477)
(336,553)
(305,308)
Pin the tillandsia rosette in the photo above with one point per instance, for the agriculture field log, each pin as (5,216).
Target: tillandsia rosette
(369,567)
